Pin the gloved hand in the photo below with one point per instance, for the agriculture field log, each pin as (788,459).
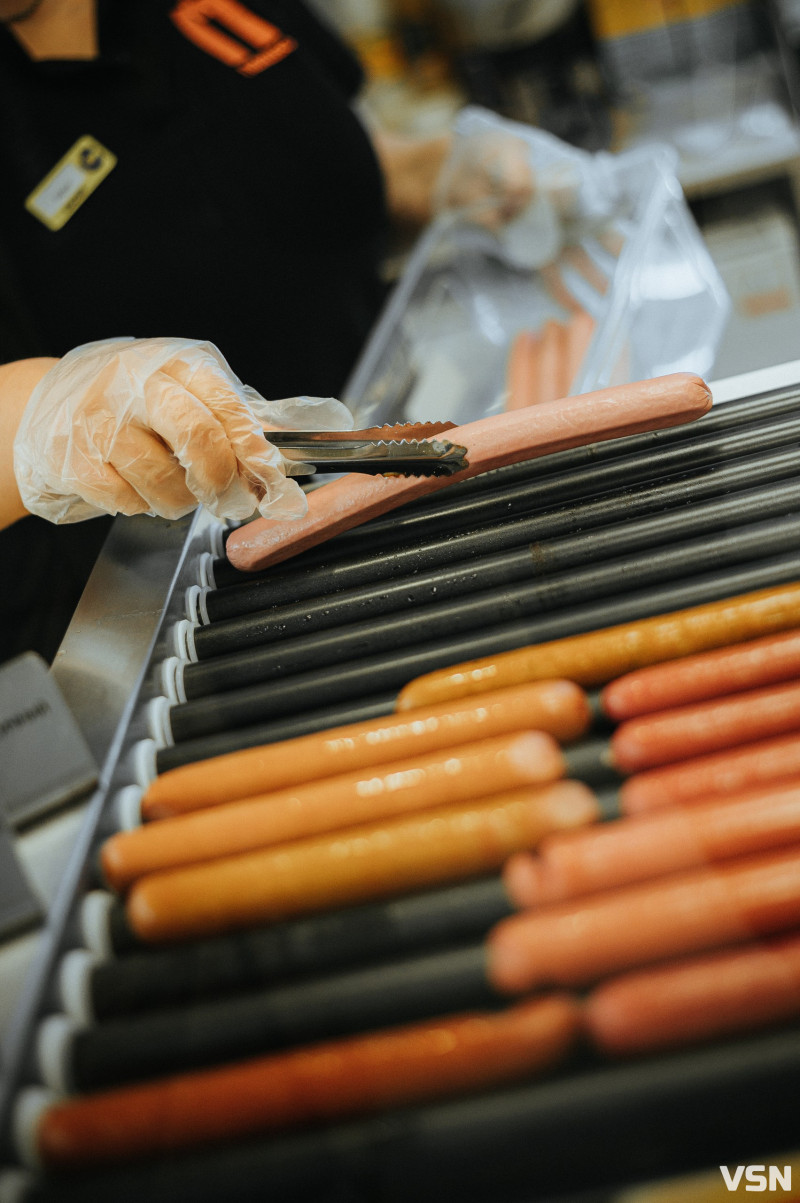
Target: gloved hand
(156,425)
(532,191)
(487,174)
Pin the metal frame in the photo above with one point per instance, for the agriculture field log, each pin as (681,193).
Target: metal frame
(104,668)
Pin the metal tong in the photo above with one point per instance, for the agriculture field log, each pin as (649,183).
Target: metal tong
(407,449)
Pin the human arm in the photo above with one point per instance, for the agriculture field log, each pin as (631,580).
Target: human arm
(17,381)
(147,426)
(411,166)
(488,175)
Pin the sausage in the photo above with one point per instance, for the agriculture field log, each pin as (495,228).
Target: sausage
(674,735)
(707,675)
(715,775)
(491,442)
(446,777)
(377,860)
(579,942)
(611,855)
(322,1082)
(559,708)
(599,656)
(699,998)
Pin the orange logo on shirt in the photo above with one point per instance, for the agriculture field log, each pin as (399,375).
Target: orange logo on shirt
(254,46)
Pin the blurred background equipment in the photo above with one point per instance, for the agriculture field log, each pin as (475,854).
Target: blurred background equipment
(714,81)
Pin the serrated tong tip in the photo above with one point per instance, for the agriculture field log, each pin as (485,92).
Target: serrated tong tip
(383,450)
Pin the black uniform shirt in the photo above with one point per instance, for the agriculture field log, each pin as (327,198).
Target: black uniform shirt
(246,207)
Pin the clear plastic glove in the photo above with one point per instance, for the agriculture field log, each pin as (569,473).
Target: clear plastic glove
(158,425)
(531,190)
(486,174)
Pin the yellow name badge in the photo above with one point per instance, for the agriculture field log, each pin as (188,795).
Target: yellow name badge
(74,178)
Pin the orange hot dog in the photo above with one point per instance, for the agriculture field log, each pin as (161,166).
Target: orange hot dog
(523,376)
(687,731)
(450,776)
(718,775)
(372,861)
(612,855)
(543,365)
(599,656)
(557,707)
(505,438)
(551,364)
(323,1082)
(578,943)
(579,334)
(700,998)
(700,678)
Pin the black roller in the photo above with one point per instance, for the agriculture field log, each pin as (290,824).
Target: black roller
(246,736)
(560,574)
(436,577)
(443,513)
(579,1138)
(699,443)
(342,684)
(244,1025)
(287,585)
(270,955)
(589,760)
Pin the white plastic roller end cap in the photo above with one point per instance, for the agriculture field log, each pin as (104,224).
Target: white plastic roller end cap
(53,1047)
(29,1107)
(143,760)
(128,808)
(14,1185)
(183,636)
(75,984)
(216,538)
(158,721)
(172,680)
(191,599)
(205,571)
(95,914)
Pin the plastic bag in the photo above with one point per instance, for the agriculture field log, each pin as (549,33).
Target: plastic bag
(626,263)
